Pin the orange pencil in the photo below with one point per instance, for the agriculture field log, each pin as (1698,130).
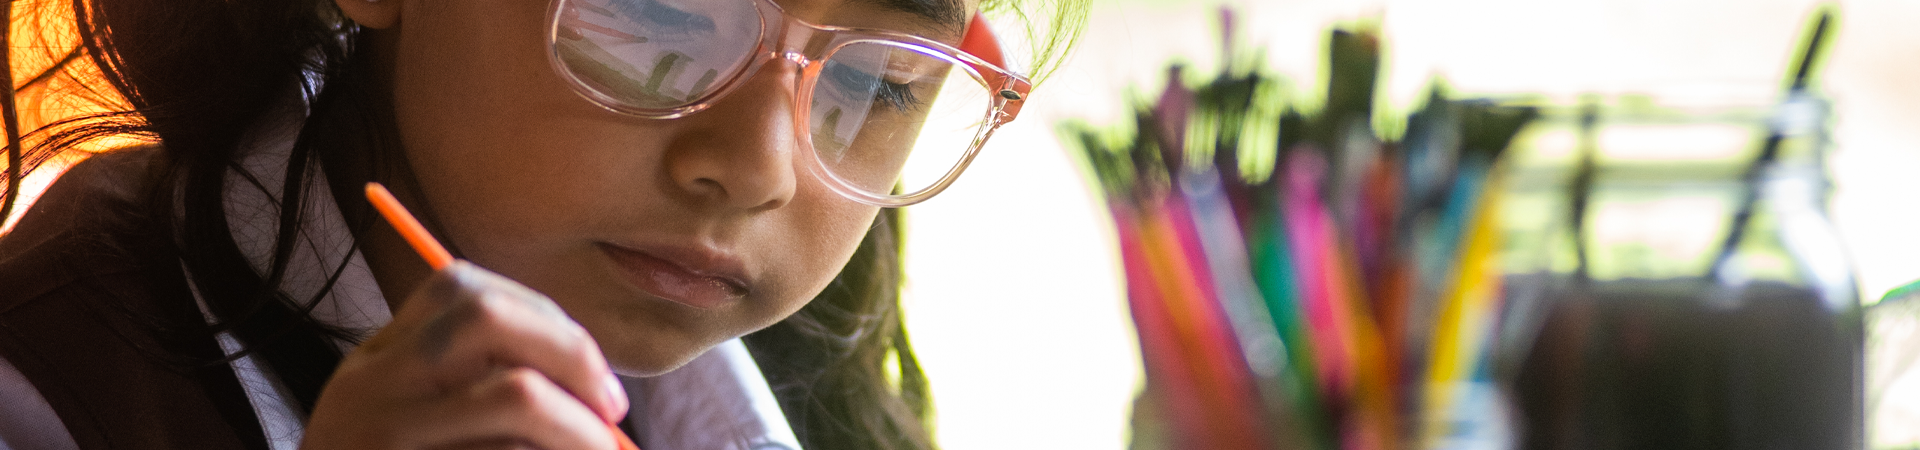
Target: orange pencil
(438,258)
(409,228)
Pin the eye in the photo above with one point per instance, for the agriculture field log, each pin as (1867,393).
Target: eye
(859,84)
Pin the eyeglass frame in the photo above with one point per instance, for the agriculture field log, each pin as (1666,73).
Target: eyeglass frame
(809,46)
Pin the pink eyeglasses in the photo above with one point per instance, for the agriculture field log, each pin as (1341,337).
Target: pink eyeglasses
(888,119)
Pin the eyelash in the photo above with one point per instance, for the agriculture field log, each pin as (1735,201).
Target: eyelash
(897,96)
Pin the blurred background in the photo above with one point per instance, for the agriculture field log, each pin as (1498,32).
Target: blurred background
(1016,295)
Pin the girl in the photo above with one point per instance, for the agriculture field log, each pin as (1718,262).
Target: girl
(631,184)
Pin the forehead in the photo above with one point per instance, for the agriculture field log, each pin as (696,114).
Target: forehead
(951,13)
(938,19)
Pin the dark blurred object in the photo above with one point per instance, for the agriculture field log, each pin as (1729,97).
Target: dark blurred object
(1651,364)
(1750,355)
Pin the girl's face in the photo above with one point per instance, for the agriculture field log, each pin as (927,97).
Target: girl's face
(662,237)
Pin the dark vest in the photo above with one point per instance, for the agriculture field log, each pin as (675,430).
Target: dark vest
(95,311)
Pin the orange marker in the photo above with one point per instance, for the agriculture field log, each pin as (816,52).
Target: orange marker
(438,258)
(409,228)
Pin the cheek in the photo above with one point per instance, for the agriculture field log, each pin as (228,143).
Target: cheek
(812,245)
(805,247)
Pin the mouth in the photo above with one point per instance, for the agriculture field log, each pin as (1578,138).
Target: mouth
(694,277)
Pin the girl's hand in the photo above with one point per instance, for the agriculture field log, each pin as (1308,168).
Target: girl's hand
(472,359)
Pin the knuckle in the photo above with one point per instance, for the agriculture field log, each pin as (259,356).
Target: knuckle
(490,312)
(578,347)
(519,388)
(572,328)
(576,340)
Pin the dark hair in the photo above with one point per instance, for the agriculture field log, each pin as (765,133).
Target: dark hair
(195,74)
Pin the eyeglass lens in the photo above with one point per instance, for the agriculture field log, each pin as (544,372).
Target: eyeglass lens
(885,117)
(655,54)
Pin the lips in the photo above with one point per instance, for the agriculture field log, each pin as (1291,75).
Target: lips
(693,277)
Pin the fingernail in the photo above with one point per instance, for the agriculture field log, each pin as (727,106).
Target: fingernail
(616,398)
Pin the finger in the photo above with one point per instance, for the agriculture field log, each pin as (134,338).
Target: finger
(445,287)
(516,326)
(502,327)
(514,405)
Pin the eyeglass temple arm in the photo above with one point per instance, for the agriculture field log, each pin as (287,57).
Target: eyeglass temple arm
(980,42)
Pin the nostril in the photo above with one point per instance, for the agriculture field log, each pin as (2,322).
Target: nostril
(710,187)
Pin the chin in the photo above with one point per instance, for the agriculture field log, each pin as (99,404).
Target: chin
(646,342)
(651,365)
(650,356)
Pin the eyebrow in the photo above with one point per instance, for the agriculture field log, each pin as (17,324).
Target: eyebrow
(949,14)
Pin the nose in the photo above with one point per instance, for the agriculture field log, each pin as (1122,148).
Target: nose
(738,154)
